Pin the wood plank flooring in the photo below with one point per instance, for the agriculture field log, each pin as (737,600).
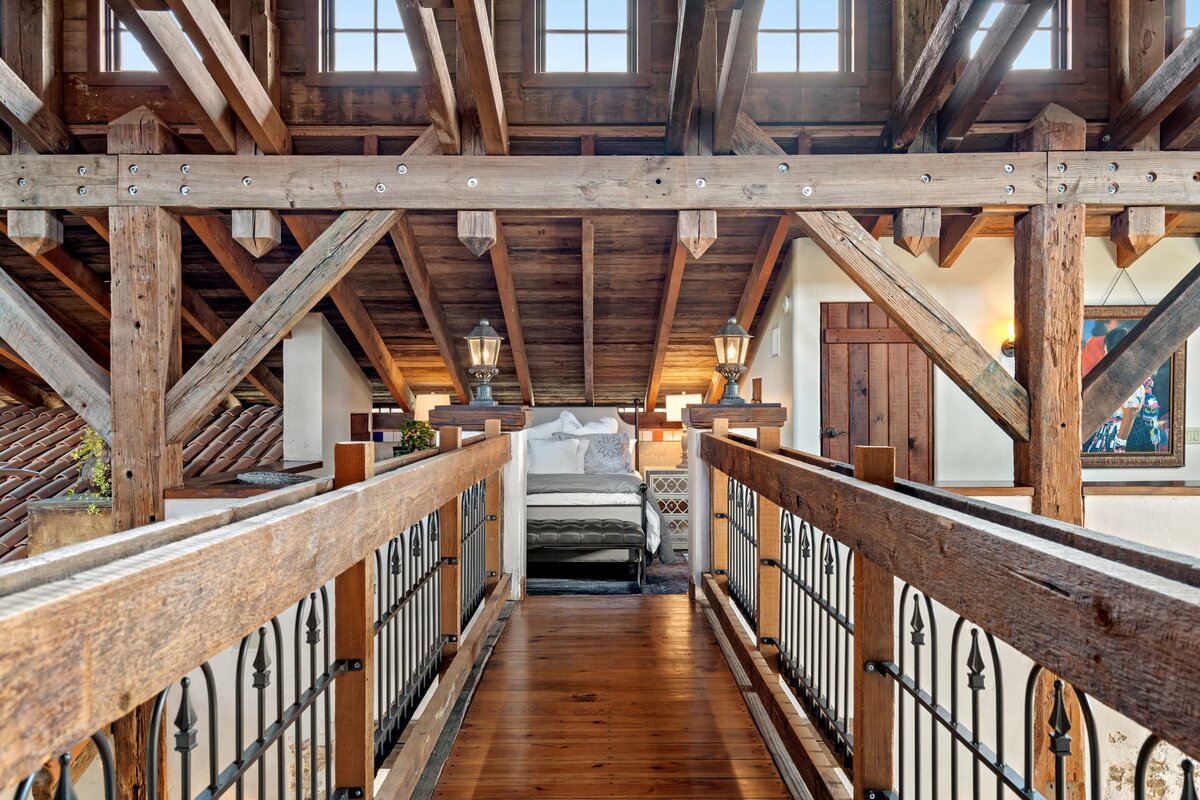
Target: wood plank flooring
(590,697)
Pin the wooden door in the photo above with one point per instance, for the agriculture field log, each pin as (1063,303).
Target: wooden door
(876,389)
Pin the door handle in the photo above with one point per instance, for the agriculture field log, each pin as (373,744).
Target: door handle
(832,433)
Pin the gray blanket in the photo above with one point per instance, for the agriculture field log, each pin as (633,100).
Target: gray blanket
(616,483)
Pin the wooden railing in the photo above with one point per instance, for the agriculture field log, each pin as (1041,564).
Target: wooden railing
(868,587)
(90,632)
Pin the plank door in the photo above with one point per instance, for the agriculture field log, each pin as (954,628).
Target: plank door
(876,389)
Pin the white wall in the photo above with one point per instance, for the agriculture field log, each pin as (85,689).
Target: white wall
(978,290)
(322,386)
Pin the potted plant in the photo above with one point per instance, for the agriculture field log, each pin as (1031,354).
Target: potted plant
(86,511)
(415,435)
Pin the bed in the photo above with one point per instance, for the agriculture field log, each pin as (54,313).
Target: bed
(596,509)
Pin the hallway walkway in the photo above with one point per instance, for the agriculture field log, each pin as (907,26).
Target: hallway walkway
(590,697)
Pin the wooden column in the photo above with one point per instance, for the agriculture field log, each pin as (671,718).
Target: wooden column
(770,551)
(495,510)
(914,229)
(354,641)
(874,632)
(146,359)
(719,496)
(450,550)
(1048,294)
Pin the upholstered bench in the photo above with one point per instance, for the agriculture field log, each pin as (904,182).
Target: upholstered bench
(586,540)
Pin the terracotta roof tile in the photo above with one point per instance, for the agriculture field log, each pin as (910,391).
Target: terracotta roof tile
(42,440)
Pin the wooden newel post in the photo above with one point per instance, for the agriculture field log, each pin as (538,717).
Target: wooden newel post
(874,629)
(495,505)
(719,496)
(354,641)
(770,551)
(450,550)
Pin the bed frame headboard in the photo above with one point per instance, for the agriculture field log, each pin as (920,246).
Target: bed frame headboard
(587,414)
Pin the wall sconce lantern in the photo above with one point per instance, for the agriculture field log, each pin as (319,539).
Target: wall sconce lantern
(484,344)
(1009,347)
(732,344)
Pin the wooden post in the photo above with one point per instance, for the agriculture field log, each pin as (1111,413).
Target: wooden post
(450,550)
(1048,248)
(719,495)
(354,641)
(874,631)
(495,510)
(770,551)
(146,359)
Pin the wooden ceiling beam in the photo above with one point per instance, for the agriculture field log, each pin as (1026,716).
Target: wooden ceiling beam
(933,73)
(23,111)
(587,255)
(737,63)
(55,357)
(502,269)
(1182,127)
(958,232)
(420,25)
(232,73)
(676,263)
(167,47)
(987,69)
(290,297)
(1154,101)
(476,43)
(683,98)
(1126,257)
(21,390)
(96,349)
(1152,341)
(769,247)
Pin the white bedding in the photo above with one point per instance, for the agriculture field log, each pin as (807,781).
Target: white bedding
(653,529)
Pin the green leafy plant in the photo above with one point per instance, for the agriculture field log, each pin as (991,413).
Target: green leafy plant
(94,477)
(415,435)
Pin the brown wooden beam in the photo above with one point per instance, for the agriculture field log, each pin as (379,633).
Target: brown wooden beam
(28,116)
(683,97)
(1126,257)
(1165,90)
(475,41)
(913,21)
(1152,341)
(1182,127)
(21,390)
(588,278)
(420,26)
(502,270)
(676,263)
(957,232)
(740,45)
(270,317)
(96,349)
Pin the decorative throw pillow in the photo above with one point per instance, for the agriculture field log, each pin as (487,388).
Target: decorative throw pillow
(565,422)
(549,457)
(607,453)
(602,425)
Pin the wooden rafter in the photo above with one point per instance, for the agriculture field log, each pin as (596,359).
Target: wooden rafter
(23,111)
(21,390)
(96,349)
(1165,90)
(676,263)
(502,270)
(588,276)
(1152,341)
(55,357)
(761,270)
(683,98)
(958,232)
(420,26)
(475,42)
(736,65)
(270,317)
(933,72)
(1182,127)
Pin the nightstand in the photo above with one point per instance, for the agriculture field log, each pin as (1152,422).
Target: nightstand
(670,486)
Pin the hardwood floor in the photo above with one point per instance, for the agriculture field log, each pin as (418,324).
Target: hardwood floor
(589,697)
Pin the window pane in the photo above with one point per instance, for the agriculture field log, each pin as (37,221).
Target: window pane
(133,57)
(819,52)
(778,14)
(976,40)
(394,54)
(564,52)
(608,14)
(353,14)
(1037,54)
(1048,20)
(565,14)
(608,52)
(819,14)
(389,16)
(776,52)
(354,52)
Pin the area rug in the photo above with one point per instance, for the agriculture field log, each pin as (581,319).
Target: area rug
(597,579)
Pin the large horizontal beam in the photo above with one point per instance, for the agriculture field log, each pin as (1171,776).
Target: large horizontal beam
(601,183)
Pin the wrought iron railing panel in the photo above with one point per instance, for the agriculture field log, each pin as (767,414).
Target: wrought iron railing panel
(473,555)
(743,549)
(408,635)
(816,641)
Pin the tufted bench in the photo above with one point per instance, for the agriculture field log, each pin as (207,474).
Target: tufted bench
(586,540)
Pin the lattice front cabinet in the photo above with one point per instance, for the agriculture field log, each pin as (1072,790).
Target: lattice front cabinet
(670,486)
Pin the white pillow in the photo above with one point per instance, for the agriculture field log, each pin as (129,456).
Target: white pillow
(564,423)
(557,457)
(602,425)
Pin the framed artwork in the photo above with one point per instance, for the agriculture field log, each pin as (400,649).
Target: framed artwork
(1148,429)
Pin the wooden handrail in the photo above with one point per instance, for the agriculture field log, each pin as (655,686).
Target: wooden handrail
(1123,634)
(75,653)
